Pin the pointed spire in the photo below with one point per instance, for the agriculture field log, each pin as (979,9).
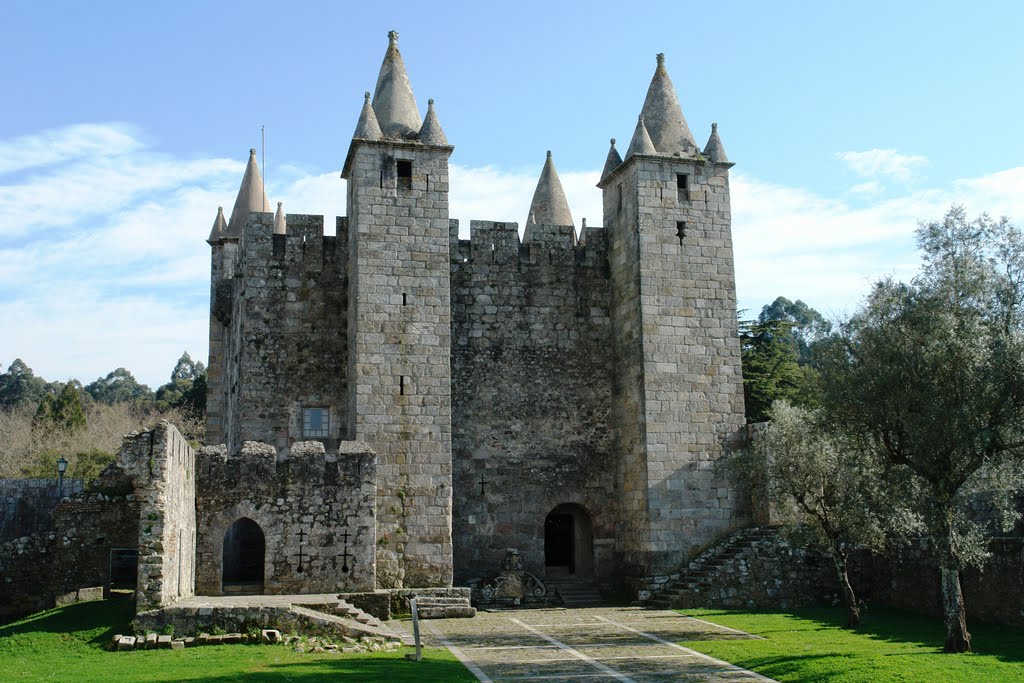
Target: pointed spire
(220,228)
(664,118)
(612,162)
(393,101)
(367,127)
(249,194)
(714,150)
(431,132)
(280,227)
(549,206)
(641,142)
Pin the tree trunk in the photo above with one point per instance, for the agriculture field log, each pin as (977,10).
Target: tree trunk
(842,572)
(957,637)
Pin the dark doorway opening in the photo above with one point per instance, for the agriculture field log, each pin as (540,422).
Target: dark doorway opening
(560,541)
(244,552)
(124,568)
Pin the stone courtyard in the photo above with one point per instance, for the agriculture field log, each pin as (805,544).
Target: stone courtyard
(594,644)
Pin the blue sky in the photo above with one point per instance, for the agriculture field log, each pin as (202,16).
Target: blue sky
(125,125)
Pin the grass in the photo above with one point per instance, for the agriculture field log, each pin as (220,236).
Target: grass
(810,645)
(65,644)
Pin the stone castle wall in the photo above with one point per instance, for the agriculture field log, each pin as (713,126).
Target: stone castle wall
(285,313)
(304,502)
(26,504)
(531,376)
(163,467)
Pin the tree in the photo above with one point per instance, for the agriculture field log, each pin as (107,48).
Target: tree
(805,325)
(117,387)
(20,386)
(931,374)
(771,370)
(63,412)
(828,491)
(187,389)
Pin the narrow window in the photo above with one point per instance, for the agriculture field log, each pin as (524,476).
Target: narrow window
(680,231)
(682,187)
(618,199)
(382,180)
(316,422)
(404,174)
(401,385)
(403,298)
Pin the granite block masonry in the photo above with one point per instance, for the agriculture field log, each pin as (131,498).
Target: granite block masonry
(567,393)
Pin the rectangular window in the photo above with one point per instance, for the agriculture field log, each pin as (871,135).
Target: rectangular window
(682,187)
(680,231)
(404,174)
(316,422)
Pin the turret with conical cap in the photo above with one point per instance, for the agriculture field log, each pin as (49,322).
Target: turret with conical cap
(367,128)
(612,161)
(664,117)
(220,228)
(641,142)
(714,150)
(250,198)
(393,99)
(549,205)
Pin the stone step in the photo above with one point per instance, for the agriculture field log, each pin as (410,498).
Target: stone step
(343,626)
(434,602)
(445,612)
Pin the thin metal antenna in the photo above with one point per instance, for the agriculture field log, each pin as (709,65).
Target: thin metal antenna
(263,149)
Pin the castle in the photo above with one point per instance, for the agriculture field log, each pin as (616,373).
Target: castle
(565,395)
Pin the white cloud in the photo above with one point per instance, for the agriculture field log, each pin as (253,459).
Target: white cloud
(883,162)
(103,260)
(63,144)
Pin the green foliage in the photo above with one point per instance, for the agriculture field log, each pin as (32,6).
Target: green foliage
(119,386)
(167,630)
(187,389)
(771,368)
(811,645)
(19,386)
(931,375)
(87,465)
(805,326)
(63,412)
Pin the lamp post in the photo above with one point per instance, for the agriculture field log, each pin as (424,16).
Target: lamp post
(62,466)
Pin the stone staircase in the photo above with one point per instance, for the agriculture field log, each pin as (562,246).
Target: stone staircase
(343,617)
(439,607)
(574,591)
(699,576)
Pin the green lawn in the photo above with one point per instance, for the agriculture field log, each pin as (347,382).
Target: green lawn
(810,645)
(64,645)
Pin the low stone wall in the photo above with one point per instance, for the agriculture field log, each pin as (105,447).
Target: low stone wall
(400,596)
(26,504)
(75,554)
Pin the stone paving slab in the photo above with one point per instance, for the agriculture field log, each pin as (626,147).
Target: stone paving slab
(627,644)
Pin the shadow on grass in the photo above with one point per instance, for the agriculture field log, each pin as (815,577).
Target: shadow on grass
(109,616)
(356,669)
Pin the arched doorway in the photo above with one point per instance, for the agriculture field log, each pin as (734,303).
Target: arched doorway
(244,551)
(569,541)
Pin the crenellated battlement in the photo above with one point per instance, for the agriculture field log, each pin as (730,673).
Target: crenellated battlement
(499,244)
(303,244)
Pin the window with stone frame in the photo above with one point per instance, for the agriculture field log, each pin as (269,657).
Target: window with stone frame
(316,423)
(404,174)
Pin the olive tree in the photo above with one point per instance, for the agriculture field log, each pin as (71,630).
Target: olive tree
(931,374)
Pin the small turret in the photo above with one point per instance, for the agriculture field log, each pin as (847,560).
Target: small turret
(250,194)
(393,99)
(714,150)
(280,227)
(549,206)
(220,228)
(641,142)
(664,118)
(367,128)
(612,162)
(431,132)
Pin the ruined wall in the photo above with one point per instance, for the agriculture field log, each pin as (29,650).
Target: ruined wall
(284,317)
(531,397)
(304,501)
(162,466)
(26,504)
(678,395)
(75,552)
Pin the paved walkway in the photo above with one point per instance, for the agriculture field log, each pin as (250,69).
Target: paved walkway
(626,644)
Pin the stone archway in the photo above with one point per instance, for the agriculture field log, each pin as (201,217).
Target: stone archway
(569,540)
(244,554)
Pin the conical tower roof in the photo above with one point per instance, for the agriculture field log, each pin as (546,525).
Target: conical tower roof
(220,228)
(549,206)
(393,101)
(641,142)
(280,227)
(612,162)
(250,194)
(664,118)
(714,150)
(431,133)
(367,128)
